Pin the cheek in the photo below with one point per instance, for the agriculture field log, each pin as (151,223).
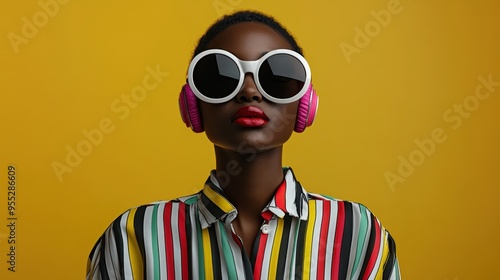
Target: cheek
(215,120)
(284,117)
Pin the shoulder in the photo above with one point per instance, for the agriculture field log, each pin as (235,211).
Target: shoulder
(347,212)
(155,207)
(320,199)
(138,217)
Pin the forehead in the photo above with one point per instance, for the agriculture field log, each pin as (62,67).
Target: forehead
(249,40)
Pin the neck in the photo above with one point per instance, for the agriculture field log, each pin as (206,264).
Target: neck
(249,180)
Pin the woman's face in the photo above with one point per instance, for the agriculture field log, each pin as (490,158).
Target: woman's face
(223,123)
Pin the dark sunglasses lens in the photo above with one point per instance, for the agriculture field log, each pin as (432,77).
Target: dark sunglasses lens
(216,75)
(282,76)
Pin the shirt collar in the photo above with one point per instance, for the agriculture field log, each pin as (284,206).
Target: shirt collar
(290,199)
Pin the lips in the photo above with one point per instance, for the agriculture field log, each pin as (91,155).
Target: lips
(250,116)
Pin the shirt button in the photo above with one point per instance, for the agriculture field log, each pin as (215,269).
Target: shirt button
(265,229)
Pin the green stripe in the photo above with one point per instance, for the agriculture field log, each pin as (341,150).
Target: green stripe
(396,270)
(363,225)
(154,232)
(201,258)
(191,200)
(228,254)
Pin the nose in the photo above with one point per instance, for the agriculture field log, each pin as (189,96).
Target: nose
(249,91)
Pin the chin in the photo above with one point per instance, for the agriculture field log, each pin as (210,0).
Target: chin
(250,145)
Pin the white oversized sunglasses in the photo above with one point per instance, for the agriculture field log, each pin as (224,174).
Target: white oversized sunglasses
(281,76)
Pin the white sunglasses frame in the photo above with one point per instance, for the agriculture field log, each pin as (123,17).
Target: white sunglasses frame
(249,67)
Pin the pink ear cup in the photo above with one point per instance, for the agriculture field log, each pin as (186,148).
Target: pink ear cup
(190,113)
(308,106)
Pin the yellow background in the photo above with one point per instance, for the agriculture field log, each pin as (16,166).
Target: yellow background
(394,91)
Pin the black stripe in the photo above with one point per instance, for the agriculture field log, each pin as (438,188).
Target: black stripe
(216,264)
(371,243)
(391,259)
(212,207)
(102,261)
(299,198)
(93,251)
(248,266)
(300,247)
(214,187)
(255,249)
(280,270)
(345,249)
(117,233)
(139,233)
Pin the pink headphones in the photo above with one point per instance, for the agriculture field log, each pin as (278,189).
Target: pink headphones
(190,112)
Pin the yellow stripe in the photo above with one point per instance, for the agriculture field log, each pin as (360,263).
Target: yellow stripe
(309,239)
(218,199)
(385,253)
(133,248)
(207,254)
(276,250)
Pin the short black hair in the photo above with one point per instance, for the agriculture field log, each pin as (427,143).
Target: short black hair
(239,17)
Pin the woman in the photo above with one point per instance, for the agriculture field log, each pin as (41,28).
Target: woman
(248,89)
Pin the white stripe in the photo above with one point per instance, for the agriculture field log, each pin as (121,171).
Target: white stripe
(332,226)
(313,269)
(304,214)
(290,249)
(111,254)
(379,257)
(127,269)
(205,214)
(162,258)
(174,225)
(213,179)
(268,248)
(194,242)
(237,252)
(356,218)
(272,204)
(94,262)
(222,260)
(395,274)
(290,194)
(367,237)
(96,276)
(148,242)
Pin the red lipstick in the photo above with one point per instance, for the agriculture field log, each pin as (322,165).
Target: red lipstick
(250,116)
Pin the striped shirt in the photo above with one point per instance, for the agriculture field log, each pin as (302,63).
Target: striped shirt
(303,236)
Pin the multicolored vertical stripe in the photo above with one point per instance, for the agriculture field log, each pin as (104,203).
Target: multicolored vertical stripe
(303,236)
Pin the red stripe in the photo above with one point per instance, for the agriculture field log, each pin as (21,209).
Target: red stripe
(267,215)
(281,196)
(260,257)
(323,238)
(339,232)
(374,253)
(183,240)
(169,247)
(237,240)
